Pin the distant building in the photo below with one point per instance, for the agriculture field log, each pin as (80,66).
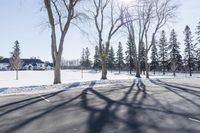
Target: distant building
(27,64)
(4,64)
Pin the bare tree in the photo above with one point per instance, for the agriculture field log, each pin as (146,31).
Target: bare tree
(61,13)
(108,19)
(15,61)
(151,16)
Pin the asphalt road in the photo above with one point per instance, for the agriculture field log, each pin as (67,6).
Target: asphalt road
(139,106)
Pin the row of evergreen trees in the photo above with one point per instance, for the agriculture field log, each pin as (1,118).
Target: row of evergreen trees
(169,57)
(116,61)
(165,55)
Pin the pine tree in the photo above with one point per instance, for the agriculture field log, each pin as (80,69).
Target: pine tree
(15,61)
(87,58)
(154,56)
(174,52)
(1,57)
(198,59)
(129,56)
(198,32)
(111,59)
(163,51)
(82,61)
(120,58)
(97,60)
(198,45)
(189,48)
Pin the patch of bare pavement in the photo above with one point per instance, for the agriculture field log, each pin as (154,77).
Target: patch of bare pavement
(139,106)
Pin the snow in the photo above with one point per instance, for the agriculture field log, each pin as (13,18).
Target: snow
(33,82)
(33,78)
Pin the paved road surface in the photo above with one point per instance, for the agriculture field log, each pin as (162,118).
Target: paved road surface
(139,106)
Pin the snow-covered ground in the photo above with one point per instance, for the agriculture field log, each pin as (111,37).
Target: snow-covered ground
(41,81)
(33,78)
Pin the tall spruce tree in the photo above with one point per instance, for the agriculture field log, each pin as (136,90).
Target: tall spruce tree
(198,45)
(111,59)
(174,52)
(198,32)
(15,61)
(87,58)
(120,57)
(129,56)
(1,57)
(97,60)
(198,59)
(82,61)
(189,49)
(154,56)
(163,51)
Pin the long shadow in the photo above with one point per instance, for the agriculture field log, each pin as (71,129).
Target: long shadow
(29,101)
(47,111)
(193,92)
(100,118)
(174,90)
(186,85)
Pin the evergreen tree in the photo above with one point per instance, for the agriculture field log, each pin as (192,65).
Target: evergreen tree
(198,59)
(87,58)
(111,59)
(198,45)
(154,56)
(174,52)
(198,32)
(163,51)
(97,60)
(15,61)
(120,58)
(129,56)
(82,61)
(189,48)
(1,57)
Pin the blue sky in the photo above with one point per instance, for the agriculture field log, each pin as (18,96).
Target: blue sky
(22,20)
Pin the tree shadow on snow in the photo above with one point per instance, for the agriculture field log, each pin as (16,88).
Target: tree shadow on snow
(180,91)
(10,107)
(108,115)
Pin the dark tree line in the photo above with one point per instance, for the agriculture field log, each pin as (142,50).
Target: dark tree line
(165,55)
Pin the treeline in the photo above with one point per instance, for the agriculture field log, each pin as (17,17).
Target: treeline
(165,55)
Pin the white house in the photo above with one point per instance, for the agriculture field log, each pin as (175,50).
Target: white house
(4,64)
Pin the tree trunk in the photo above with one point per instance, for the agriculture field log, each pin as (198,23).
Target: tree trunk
(17,75)
(137,69)
(146,65)
(190,71)
(104,69)
(163,68)
(119,69)
(57,72)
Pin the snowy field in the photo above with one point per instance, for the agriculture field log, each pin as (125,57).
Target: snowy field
(39,81)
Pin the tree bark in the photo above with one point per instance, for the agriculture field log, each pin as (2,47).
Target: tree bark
(57,73)
(17,75)
(138,69)
(146,64)
(104,69)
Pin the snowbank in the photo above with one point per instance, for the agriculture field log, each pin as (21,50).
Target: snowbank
(32,82)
